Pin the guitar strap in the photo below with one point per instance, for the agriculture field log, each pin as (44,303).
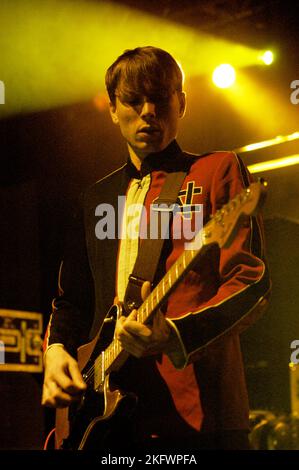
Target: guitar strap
(150,249)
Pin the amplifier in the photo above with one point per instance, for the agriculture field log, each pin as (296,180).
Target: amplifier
(20,341)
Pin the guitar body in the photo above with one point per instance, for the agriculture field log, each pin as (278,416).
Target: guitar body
(102,413)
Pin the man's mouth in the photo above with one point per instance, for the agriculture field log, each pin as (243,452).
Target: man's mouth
(148,130)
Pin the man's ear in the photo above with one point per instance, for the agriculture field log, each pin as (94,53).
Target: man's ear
(113,112)
(182,100)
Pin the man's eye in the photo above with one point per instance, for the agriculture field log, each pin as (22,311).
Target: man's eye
(131,100)
(164,101)
(134,102)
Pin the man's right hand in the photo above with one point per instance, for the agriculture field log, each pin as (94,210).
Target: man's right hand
(63,382)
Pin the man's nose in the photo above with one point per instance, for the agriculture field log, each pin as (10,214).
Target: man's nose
(148,109)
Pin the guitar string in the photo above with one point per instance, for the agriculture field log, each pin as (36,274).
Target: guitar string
(89,375)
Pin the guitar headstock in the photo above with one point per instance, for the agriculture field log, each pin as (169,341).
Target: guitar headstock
(225,222)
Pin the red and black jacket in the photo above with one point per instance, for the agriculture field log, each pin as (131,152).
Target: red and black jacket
(213,304)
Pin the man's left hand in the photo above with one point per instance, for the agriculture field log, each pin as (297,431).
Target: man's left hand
(139,339)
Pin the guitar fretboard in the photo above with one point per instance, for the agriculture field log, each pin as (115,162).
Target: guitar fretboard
(114,355)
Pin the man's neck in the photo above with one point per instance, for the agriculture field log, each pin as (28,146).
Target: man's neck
(135,159)
(138,158)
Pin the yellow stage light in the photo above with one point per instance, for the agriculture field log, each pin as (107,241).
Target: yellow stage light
(267,57)
(224,76)
(274,164)
(261,105)
(55,53)
(268,143)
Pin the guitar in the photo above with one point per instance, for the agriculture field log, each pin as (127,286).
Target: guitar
(78,426)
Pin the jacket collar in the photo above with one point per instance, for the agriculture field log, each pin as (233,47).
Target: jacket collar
(169,160)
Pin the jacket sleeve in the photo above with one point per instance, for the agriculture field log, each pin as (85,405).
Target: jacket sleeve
(73,308)
(244,283)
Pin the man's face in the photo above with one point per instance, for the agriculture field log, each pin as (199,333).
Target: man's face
(148,124)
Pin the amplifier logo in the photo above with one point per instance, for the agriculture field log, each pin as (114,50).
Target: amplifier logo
(2,353)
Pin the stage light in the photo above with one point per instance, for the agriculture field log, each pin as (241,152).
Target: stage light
(86,37)
(224,76)
(274,164)
(259,104)
(280,139)
(267,57)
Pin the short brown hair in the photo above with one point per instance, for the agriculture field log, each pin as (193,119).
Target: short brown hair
(146,70)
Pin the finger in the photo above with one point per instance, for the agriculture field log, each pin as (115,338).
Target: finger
(132,315)
(130,325)
(72,389)
(137,329)
(119,327)
(53,396)
(120,323)
(122,320)
(145,290)
(76,377)
(66,384)
(160,324)
(134,348)
(132,343)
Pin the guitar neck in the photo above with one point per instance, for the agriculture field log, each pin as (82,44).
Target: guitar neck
(114,355)
(173,276)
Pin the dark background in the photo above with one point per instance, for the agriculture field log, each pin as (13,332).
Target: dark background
(48,158)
